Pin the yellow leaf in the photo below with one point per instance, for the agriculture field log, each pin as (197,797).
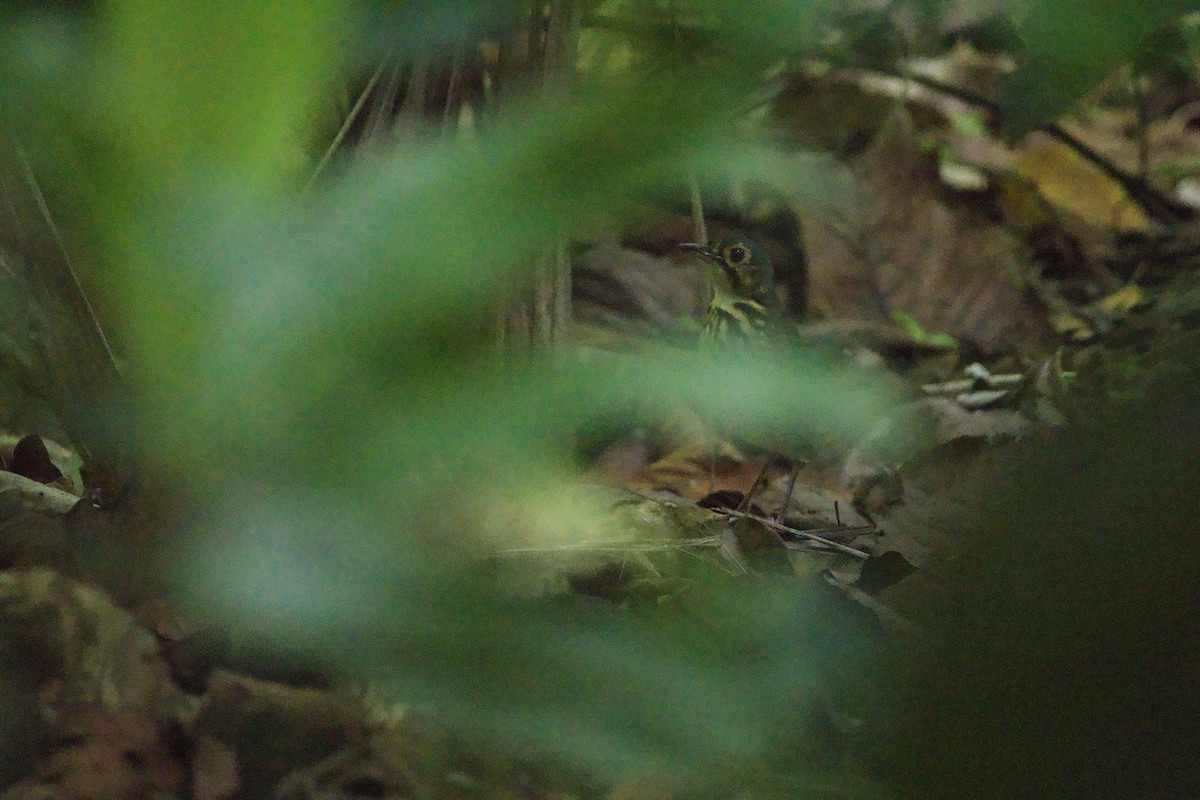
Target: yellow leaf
(1122,301)
(1066,323)
(1074,185)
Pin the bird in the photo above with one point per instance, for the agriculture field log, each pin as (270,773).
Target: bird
(744,313)
(745,308)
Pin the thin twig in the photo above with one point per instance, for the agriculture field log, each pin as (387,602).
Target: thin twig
(345,128)
(787,496)
(453,85)
(814,535)
(758,480)
(379,121)
(850,551)
(617,546)
(408,118)
(44,209)
(697,209)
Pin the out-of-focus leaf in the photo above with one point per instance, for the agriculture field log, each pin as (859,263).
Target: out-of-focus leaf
(452,459)
(384,588)
(776,28)
(400,262)
(322,371)
(1123,300)
(711,679)
(917,331)
(170,104)
(388,27)
(1071,183)
(224,87)
(1033,681)
(1070,45)
(746,31)
(1168,52)
(805,178)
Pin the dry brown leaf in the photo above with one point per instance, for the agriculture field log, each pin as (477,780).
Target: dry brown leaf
(901,244)
(94,652)
(98,754)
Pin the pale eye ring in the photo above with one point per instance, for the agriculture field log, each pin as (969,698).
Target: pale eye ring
(737,254)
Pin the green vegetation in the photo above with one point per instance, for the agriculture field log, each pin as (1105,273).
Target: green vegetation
(299,361)
(314,370)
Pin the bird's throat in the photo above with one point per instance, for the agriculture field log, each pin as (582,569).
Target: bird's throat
(724,287)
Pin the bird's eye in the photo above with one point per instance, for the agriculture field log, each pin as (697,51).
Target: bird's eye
(736,254)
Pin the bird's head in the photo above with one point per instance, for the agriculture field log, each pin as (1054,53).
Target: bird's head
(746,265)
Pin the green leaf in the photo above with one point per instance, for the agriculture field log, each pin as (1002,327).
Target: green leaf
(223,86)
(1070,46)
(917,331)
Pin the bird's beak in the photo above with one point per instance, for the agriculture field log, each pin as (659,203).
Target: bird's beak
(704,252)
(700,250)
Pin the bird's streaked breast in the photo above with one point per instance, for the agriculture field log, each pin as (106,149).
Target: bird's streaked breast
(735,322)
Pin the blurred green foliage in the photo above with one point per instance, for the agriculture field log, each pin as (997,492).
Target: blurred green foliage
(1070,46)
(319,367)
(1066,647)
